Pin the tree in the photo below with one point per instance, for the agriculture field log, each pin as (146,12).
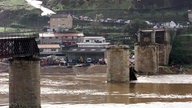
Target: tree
(134,26)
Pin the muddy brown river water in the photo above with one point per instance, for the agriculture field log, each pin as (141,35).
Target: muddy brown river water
(93,89)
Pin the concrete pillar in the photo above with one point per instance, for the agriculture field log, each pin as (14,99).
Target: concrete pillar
(153,36)
(24,83)
(118,64)
(164,52)
(167,37)
(139,37)
(147,59)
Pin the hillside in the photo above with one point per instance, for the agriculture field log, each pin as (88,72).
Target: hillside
(58,5)
(21,13)
(13,4)
(182,49)
(117,4)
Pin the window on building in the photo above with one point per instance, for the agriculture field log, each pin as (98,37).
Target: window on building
(53,49)
(82,50)
(145,37)
(69,37)
(74,49)
(159,37)
(41,50)
(93,49)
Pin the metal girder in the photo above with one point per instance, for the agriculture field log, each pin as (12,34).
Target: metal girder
(18,46)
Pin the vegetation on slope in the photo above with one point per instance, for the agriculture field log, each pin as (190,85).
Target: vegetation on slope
(21,13)
(13,4)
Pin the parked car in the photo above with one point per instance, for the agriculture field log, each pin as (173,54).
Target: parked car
(89,60)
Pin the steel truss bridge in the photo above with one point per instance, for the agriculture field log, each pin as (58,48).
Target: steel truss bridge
(18,45)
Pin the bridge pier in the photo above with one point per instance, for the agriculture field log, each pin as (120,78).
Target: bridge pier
(146,59)
(24,83)
(152,50)
(118,64)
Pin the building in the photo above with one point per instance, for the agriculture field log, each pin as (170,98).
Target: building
(50,49)
(190,15)
(152,36)
(51,43)
(93,48)
(59,38)
(61,21)
(93,42)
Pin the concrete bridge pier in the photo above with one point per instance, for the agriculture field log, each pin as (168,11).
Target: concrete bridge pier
(147,59)
(118,64)
(24,83)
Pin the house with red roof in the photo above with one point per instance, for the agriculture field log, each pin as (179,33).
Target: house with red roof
(59,38)
(50,49)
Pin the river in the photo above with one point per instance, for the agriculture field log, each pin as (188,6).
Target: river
(89,91)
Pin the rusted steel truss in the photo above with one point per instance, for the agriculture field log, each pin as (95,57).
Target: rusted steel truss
(18,46)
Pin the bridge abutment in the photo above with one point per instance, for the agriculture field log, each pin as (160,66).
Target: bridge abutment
(24,83)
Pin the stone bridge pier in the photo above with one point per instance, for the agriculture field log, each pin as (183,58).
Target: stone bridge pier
(24,69)
(152,50)
(118,64)
(24,83)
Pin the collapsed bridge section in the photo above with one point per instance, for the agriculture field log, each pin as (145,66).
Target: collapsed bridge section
(17,45)
(24,69)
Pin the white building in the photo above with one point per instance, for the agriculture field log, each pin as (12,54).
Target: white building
(59,38)
(93,42)
(49,49)
(190,15)
(93,48)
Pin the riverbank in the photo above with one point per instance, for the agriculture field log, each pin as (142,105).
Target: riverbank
(74,70)
(139,105)
(95,69)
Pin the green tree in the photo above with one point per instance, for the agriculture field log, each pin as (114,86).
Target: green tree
(177,56)
(134,26)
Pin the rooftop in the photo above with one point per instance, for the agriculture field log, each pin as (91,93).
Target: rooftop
(87,50)
(151,30)
(48,46)
(60,15)
(51,34)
